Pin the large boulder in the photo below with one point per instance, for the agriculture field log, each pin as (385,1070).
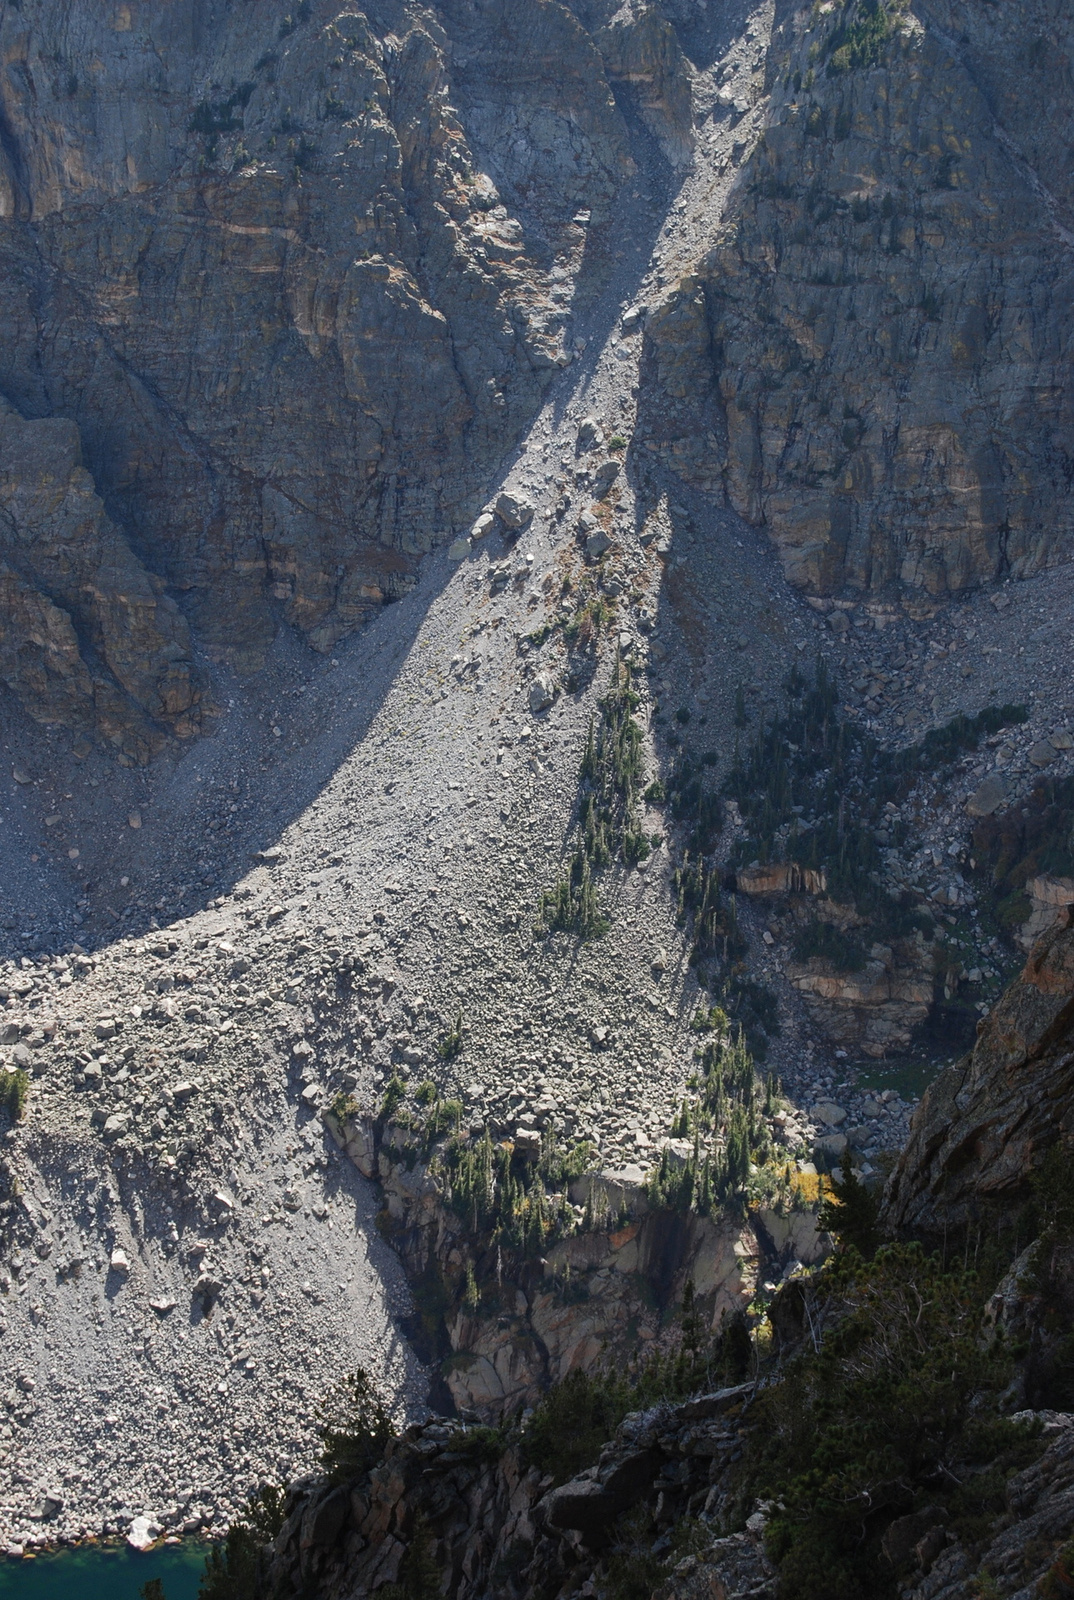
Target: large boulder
(323,1522)
(542,692)
(590,1504)
(514,511)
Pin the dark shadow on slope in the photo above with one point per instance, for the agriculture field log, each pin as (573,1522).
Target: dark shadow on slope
(706,31)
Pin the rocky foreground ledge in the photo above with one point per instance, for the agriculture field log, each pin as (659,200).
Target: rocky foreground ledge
(498,1519)
(502,1529)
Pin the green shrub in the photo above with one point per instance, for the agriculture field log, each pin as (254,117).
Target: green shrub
(472,1295)
(344,1105)
(481,1443)
(14,1087)
(450,1045)
(578,1160)
(445,1116)
(695,802)
(633,1571)
(859,42)
(851,1212)
(608,828)
(1013,910)
(578,1416)
(582,630)
(233,1568)
(573,904)
(813,789)
(723,1118)
(504,1202)
(710,1019)
(353,1426)
(394,1095)
(635,847)
(753,1005)
(941,746)
(713,919)
(573,1421)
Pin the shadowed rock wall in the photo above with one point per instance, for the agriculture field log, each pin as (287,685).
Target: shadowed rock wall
(986,1123)
(287,277)
(301,279)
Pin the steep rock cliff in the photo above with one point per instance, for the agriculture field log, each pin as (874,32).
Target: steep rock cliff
(298,281)
(873,361)
(301,280)
(518,1324)
(987,1122)
(490,1525)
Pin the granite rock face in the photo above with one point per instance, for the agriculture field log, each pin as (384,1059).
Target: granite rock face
(87,636)
(632,1259)
(875,1010)
(872,363)
(301,280)
(987,1122)
(288,280)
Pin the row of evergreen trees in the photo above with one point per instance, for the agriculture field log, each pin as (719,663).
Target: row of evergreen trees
(609,827)
(505,1203)
(724,1120)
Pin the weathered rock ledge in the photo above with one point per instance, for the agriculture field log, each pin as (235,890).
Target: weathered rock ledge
(498,1528)
(492,1527)
(506,1322)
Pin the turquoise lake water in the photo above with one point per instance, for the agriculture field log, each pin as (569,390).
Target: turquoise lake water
(103,1574)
